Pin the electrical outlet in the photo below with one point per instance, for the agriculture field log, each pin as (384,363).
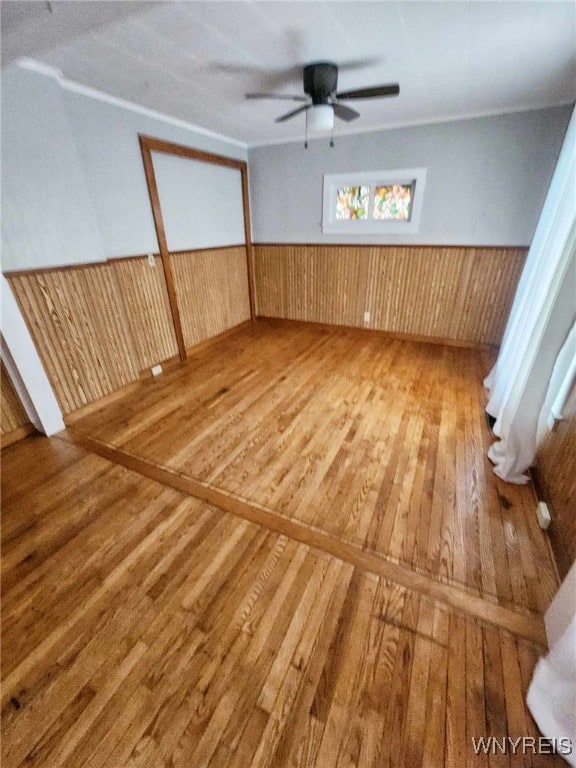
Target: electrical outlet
(151,260)
(543,515)
(366,317)
(156,370)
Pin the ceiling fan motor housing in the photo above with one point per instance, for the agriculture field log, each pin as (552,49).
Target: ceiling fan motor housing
(320,81)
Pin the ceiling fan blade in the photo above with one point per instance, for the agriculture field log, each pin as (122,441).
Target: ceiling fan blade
(370,93)
(275,96)
(292,113)
(345,113)
(351,64)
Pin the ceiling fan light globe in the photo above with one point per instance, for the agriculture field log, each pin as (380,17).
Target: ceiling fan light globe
(320,118)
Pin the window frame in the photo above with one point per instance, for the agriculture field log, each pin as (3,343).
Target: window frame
(372,179)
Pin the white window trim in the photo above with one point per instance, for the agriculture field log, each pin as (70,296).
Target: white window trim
(331,225)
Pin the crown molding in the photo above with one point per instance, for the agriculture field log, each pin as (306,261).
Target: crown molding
(46,70)
(412,124)
(93,93)
(39,67)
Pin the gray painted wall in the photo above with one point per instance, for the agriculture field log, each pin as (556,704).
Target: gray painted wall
(487,179)
(107,139)
(73,183)
(47,214)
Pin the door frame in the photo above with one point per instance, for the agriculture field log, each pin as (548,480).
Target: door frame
(149,144)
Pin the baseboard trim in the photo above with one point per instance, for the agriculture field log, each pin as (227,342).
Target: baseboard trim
(438,340)
(167,365)
(146,374)
(102,402)
(528,626)
(16,435)
(207,343)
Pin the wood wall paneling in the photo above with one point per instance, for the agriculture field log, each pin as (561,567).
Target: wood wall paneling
(79,325)
(556,466)
(13,415)
(145,298)
(212,291)
(98,327)
(461,293)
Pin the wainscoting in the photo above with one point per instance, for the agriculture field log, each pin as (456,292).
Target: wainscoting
(454,293)
(144,299)
(212,291)
(557,480)
(14,422)
(97,327)
(80,328)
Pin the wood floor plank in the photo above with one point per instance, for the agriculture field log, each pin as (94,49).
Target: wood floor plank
(414,732)
(348,683)
(317,649)
(476,699)
(456,746)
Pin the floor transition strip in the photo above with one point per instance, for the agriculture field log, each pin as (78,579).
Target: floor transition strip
(530,626)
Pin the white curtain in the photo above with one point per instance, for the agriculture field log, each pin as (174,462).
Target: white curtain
(552,693)
(542,315)
(561,384)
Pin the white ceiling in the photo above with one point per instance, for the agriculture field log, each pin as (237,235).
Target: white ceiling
(195,60)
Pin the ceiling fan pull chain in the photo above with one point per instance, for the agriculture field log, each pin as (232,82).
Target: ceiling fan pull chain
(332,136)
(306,132)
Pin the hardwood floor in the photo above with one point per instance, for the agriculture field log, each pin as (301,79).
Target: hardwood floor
(378,443)
(143,627)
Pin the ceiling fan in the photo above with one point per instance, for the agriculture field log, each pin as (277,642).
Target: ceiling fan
(323,100)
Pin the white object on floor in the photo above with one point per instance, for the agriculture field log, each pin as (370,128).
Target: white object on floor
(543,515)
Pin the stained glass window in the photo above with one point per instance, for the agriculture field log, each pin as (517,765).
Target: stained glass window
(393,202)
(375,202)
(352,203)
